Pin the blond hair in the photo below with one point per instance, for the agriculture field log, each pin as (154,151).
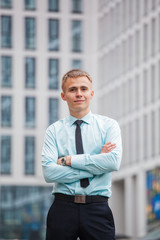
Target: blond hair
(74,73)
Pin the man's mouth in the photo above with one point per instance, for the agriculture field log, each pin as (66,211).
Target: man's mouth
(79,101)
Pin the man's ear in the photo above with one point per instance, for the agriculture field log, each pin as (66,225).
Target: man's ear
(92,93)
(63,96)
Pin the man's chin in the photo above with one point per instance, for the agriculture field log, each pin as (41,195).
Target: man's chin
(80,109)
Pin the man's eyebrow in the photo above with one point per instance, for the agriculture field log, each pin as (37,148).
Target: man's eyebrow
(72,87)
(75,87)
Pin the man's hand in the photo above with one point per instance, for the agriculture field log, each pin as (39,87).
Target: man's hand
(108,147)
(68,161)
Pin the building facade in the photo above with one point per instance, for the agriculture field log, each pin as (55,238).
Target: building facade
(129,85)
(118,43)
(39,41)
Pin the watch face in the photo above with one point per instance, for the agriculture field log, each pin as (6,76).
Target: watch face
(63,161)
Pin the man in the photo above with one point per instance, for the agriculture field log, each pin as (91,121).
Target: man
(79,158)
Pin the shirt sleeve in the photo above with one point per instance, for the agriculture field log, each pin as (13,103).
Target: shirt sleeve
(102,163)
(54,172)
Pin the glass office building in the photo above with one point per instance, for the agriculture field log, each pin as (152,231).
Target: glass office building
(118,43)
(129,80)
(39,41)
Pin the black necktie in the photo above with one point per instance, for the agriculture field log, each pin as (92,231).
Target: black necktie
(79,147)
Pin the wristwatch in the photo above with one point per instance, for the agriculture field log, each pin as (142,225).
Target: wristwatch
(63,161)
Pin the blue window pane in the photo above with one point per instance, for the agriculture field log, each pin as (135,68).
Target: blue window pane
(5,163)
(30,30)
(53,34)
(6,3)
(6,111)
(53,110)
(76,6)
(23,211)
(6,71)
(6,31)
(29,155)
(53,5)
(30,112)
(76,36)
(30,4)
(30,72)
(76,63)
(53,73)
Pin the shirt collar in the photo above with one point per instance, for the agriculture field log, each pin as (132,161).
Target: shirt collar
(87,118)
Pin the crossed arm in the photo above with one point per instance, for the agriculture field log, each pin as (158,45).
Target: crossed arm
(54,172)
(82,165)
(108,147)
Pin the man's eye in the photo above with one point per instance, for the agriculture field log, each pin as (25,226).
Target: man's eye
(72,89)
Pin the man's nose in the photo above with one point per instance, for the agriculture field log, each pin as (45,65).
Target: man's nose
(79,92)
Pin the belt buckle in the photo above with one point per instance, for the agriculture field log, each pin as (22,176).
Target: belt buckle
(79,199)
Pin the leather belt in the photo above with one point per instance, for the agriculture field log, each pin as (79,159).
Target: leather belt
(80,198)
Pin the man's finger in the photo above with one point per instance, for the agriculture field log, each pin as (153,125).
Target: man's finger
(109,143)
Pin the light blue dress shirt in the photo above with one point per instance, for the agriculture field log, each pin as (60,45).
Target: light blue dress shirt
(60,141)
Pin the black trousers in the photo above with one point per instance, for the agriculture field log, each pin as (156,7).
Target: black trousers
(68,221)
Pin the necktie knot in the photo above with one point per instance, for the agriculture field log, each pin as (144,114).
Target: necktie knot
(78,122)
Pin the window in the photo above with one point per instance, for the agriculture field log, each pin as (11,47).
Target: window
(145,136)
(153,6)
(6,71)
(76,6)
(6,111)
(153,83)
(30,4)
(53,5)
(159,128)
(6,3)
(158,30)
(76,63)
(137,92)
(153,37)
(123,132)
(131,142)
(30,112)
(30,30)
(53,73)
(145,87)
(22,206)
(29,155)
(145,42)
(131,95)
(53,34)
(76,36)
(153,133)
(125,98)
(125,15)
(159,79)
(30,72)
(124,53)
(137,46)
(137,142)
(53,110)
(146,7)
(5,165)
(137,12)
(6,32)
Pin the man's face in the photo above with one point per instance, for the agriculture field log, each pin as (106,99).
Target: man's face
(78,93)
